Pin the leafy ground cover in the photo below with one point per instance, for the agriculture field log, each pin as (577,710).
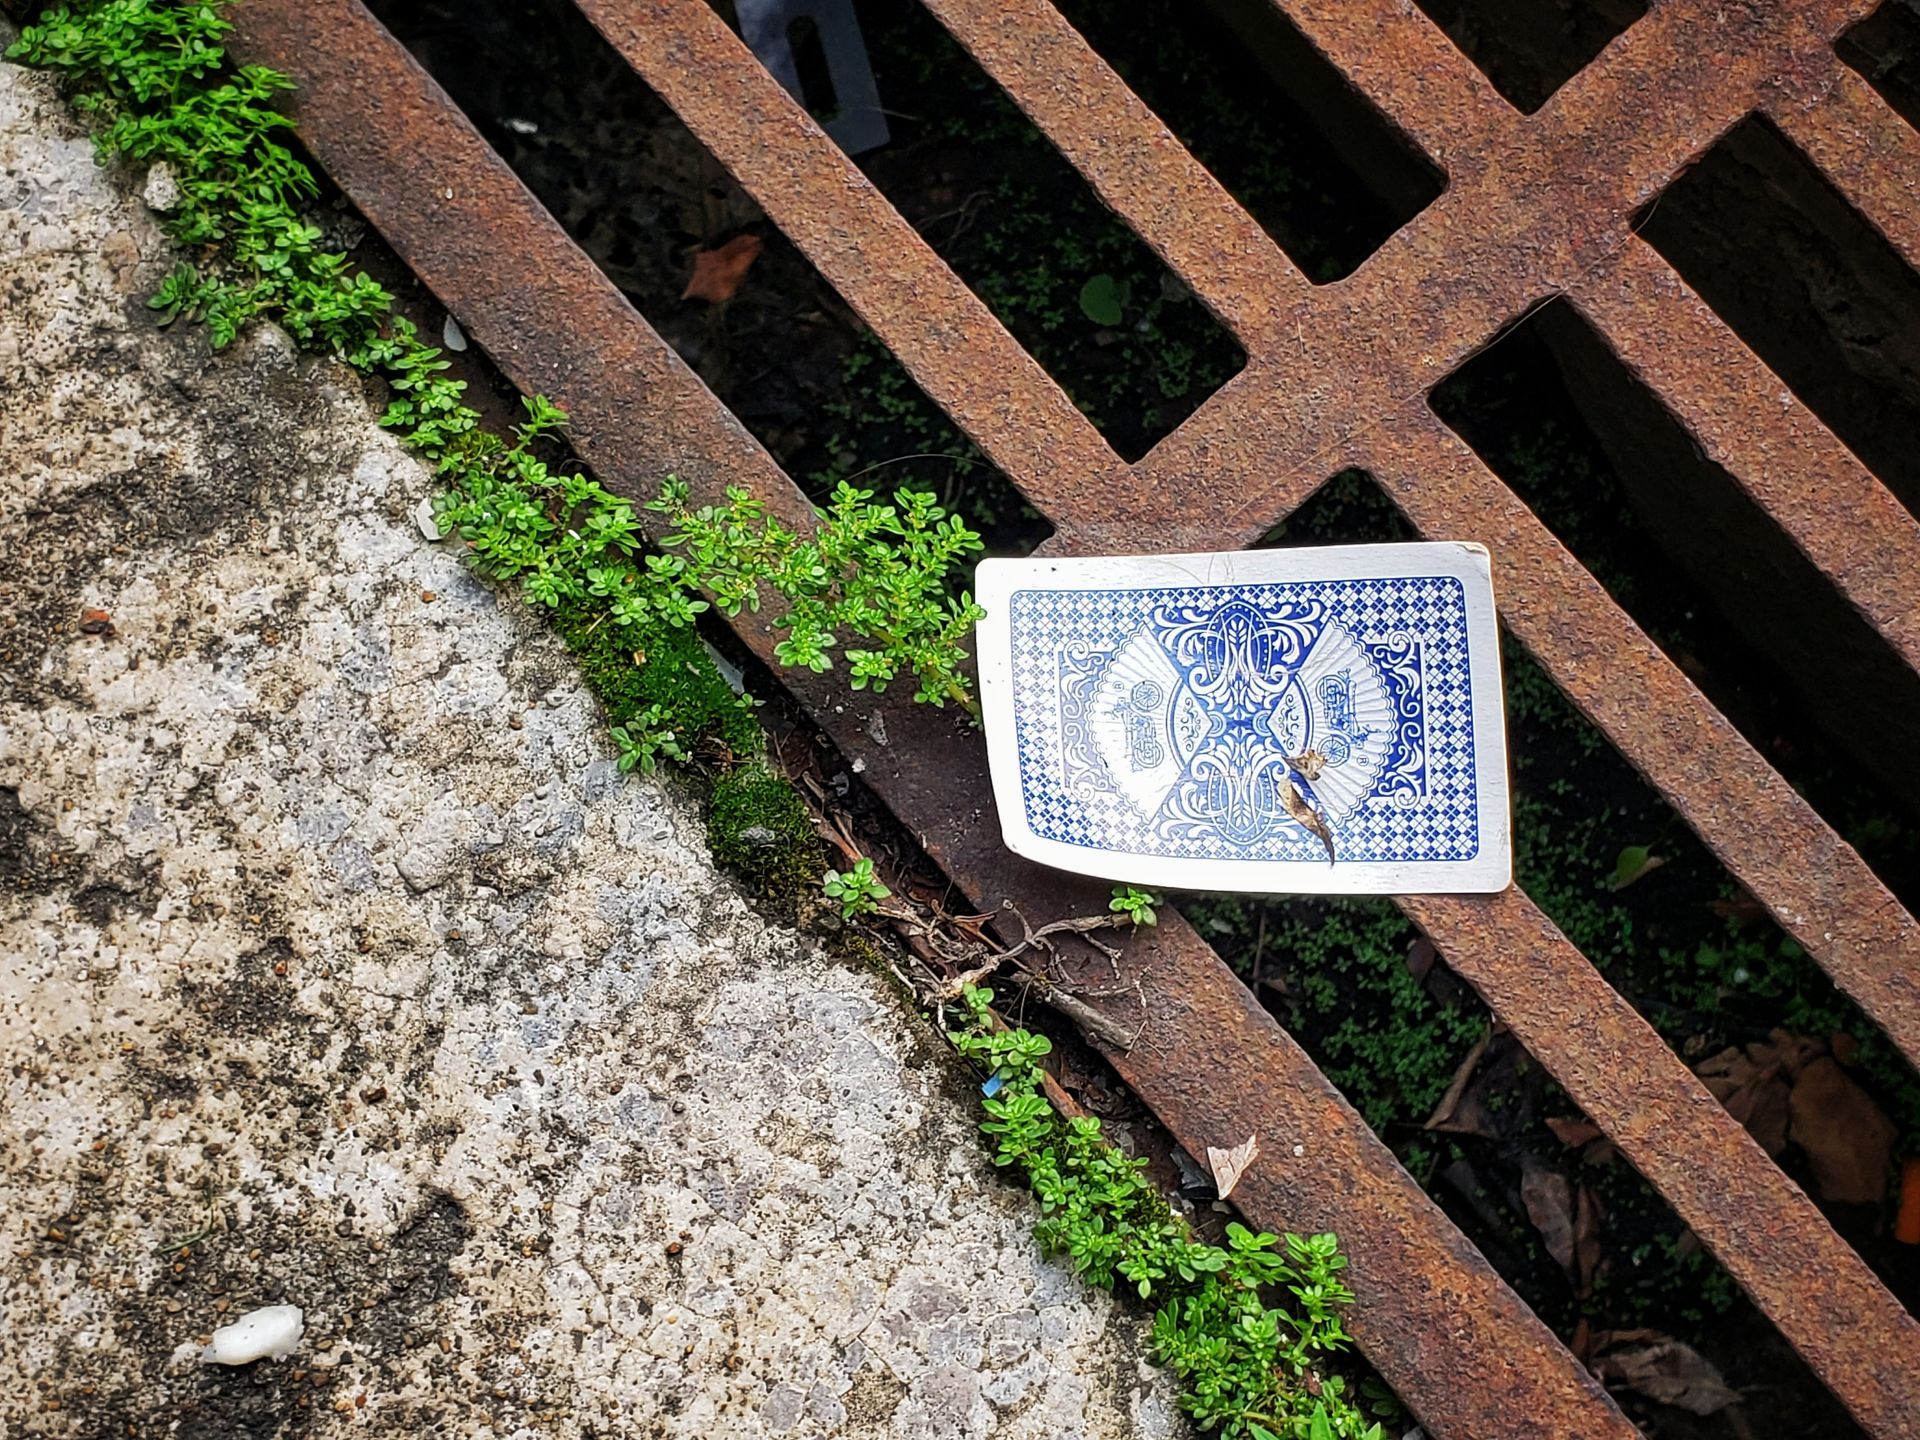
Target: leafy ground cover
(1249,1367)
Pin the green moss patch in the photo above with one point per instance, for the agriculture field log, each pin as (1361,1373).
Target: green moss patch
(632,667)
(759,827)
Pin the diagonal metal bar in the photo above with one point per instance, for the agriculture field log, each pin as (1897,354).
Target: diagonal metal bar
(1865,148)
(1757,1222)
(1447,1332)
(1131,159)
(1811,880)
(1407,66)
(1747,421)
(948,340)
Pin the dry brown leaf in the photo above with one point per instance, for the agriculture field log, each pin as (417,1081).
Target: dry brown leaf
(1662,1369)
(1792,1051)
(1586,1238)
(1297,806)
(1229,1165)
(1754,1092)
(1420,957)
(1848,1141)
(1549,1201)
(718,273)
(1571,1132)
(1582,1341)
(1449,1115)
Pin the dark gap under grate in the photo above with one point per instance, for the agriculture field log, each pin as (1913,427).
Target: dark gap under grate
(1322,171)
(1815,290)
(1885,48)
(641,195)
(1703,570)
(1530,48)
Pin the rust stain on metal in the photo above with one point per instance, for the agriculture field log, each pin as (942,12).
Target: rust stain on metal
(1536,206)
(1865,148)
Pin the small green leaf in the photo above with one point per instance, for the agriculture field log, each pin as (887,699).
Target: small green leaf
(1635,861)
(1104,300)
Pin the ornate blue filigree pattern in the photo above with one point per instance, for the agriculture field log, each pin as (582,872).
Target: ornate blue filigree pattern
(1161,721)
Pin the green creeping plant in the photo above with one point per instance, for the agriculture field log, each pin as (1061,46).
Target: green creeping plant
(859,890)
(1248,1367)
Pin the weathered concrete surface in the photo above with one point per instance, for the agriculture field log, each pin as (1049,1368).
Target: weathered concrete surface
(342,969)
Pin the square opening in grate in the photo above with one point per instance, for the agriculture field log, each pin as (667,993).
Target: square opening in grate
(1530,48)
(986,189)
(1810,285)
(1885,48)
(640,194)
(1321,170)
(1701,567)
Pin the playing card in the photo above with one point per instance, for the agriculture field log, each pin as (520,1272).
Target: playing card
(1315,720)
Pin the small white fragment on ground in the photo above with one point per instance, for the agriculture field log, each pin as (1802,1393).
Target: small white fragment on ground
(521,127)
(1229,1165)
(452,336)
(271,1332)
(424,518)
(162,191)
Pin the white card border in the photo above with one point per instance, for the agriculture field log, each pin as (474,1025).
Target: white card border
(1490,870)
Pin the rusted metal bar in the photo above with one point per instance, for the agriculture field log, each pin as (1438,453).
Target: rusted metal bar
(1811,880)
(1865,147)
(1131,159)
(1757,1222)
(1747,421)
(950,342)
(1549,202)
(1441,1326)
(1407,66)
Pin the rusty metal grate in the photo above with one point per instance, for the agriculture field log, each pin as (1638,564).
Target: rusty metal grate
(1537,205)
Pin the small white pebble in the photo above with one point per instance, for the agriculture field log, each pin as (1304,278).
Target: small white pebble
(452,336)
(1299,1150)
(424,518)
(271,1331)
